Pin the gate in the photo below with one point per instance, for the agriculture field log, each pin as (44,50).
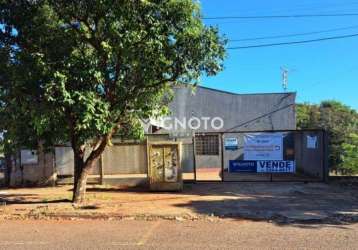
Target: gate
(208,157)
(289,155)
(164,169)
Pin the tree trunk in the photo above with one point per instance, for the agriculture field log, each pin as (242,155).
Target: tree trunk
(78,164)
(79,189)
(83,166)
(81,172)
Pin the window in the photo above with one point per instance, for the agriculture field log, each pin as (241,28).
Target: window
(207,144)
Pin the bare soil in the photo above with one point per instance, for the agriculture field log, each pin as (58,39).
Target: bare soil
(292,203)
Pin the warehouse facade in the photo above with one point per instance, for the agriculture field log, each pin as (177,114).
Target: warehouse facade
(205,121)
(238,112)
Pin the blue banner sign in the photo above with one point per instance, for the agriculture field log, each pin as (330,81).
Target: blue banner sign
(236,166)
(271,166)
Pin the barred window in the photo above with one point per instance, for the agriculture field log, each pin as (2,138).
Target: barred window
(207,145)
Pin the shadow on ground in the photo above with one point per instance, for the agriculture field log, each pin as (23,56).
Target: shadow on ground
(305,205)
(19,198)
(117,189)
(282,203)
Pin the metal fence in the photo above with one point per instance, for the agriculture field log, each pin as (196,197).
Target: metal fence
(125,162)
(290,155)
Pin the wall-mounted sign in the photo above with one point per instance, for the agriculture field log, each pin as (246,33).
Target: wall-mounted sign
(276,167)
(263,146)
(236,166)
(28,157)
(311,141)
(231,143)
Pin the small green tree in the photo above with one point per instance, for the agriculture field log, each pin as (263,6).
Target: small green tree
(82,71)
(350,154)
(307,116)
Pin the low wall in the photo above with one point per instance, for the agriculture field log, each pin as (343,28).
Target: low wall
(41,173)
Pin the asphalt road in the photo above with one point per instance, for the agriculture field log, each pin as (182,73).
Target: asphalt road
(162,234)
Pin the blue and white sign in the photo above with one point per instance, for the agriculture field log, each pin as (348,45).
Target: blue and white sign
(276,167)
(231,143)
(263,146)
(263,153)
(236,166)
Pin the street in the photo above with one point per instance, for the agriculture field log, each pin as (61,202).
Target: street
(165,234)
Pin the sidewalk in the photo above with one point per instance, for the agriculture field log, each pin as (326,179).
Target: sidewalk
(278,202)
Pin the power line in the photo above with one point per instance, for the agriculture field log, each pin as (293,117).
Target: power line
(281,16)
(303,7)
(292,35)
(293,42)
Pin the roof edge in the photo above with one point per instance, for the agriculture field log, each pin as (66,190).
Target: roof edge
(233,93)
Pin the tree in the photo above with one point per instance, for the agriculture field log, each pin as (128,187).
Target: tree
(82,71)
(307,116)
(350,154)
(341,123)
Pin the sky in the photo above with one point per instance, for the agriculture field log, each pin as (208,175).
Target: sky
(326,70)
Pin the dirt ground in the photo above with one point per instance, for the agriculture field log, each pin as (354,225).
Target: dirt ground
(312,203)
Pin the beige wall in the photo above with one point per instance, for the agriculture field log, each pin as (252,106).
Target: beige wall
(121,158)
(41,174)
(65,161)
(125,159)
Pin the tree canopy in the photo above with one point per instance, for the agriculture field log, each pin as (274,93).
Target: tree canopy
(81,71)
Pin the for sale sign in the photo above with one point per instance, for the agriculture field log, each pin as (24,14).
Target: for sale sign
(276,167)
(263,146)
(237,166)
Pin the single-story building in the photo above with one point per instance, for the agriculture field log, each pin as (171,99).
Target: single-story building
(212,126)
